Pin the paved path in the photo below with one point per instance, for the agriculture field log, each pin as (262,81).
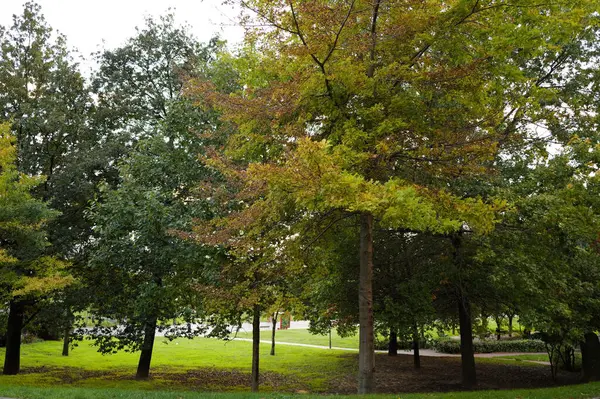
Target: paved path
(422,352)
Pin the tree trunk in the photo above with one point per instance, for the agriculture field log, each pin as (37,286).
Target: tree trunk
(330,328)
(590,357)
(12,361)
(66,338)
(366,348)
(498,328)
(274,321)
(485,324)
(469,378)
(416,352)
(255,347)
(143,370)
(510,324)
(393,345)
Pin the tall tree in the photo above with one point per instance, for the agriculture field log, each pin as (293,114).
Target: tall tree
(374,107)
(26,275)
(47,102)
(140,272)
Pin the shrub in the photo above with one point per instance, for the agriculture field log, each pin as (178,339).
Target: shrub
(489,346)
(382,344)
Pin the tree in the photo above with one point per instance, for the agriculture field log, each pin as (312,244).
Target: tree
(373,108)
(138,83)
(47,103)
(142,271)
(26,275)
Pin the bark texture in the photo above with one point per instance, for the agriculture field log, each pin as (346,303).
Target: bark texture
(274,321)
(12,360)
(66,339)
(590,357)
(143,370)
(416,352)
(393,345)
(366,348)
(255,347)
(469,378)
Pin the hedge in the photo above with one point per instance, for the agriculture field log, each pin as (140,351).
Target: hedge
(489,346)
(382,345)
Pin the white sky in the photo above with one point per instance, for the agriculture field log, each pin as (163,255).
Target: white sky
(86,23)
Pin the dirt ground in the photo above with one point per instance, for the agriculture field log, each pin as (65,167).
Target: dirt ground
(439,374)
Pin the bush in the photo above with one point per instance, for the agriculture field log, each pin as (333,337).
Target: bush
(381,344)
(528,346)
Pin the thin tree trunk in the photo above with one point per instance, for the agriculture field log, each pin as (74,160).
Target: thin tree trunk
(469,378)
(485,324)
(590,357)
(416,352)
(498,328)
(510,324)
(330,328)
(66,339)
(366,349)
(393,345)
(67,331)
(12,360)
(255,347)
(143,370)
(274,321)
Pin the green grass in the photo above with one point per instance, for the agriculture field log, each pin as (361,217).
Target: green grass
(532,357)
(20,392)
(89,374)
(304,337)
(179,356)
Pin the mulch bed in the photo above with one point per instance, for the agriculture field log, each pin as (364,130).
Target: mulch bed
(439,374)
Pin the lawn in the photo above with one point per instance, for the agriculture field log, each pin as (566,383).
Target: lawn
(527,357)
(301,336)
(579,391)
(182,368)
(43,364)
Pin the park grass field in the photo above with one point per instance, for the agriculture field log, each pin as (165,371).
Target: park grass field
(584,391)
(43,364)
(301,336)
(209,368)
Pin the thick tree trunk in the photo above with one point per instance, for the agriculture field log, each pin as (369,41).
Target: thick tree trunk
(143,370)
(255,347)
(393,345)
(510,324)
(66,338)
(469,378)
(590,357)
(416,352)
(12,360)
(366,348)
(274,321)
